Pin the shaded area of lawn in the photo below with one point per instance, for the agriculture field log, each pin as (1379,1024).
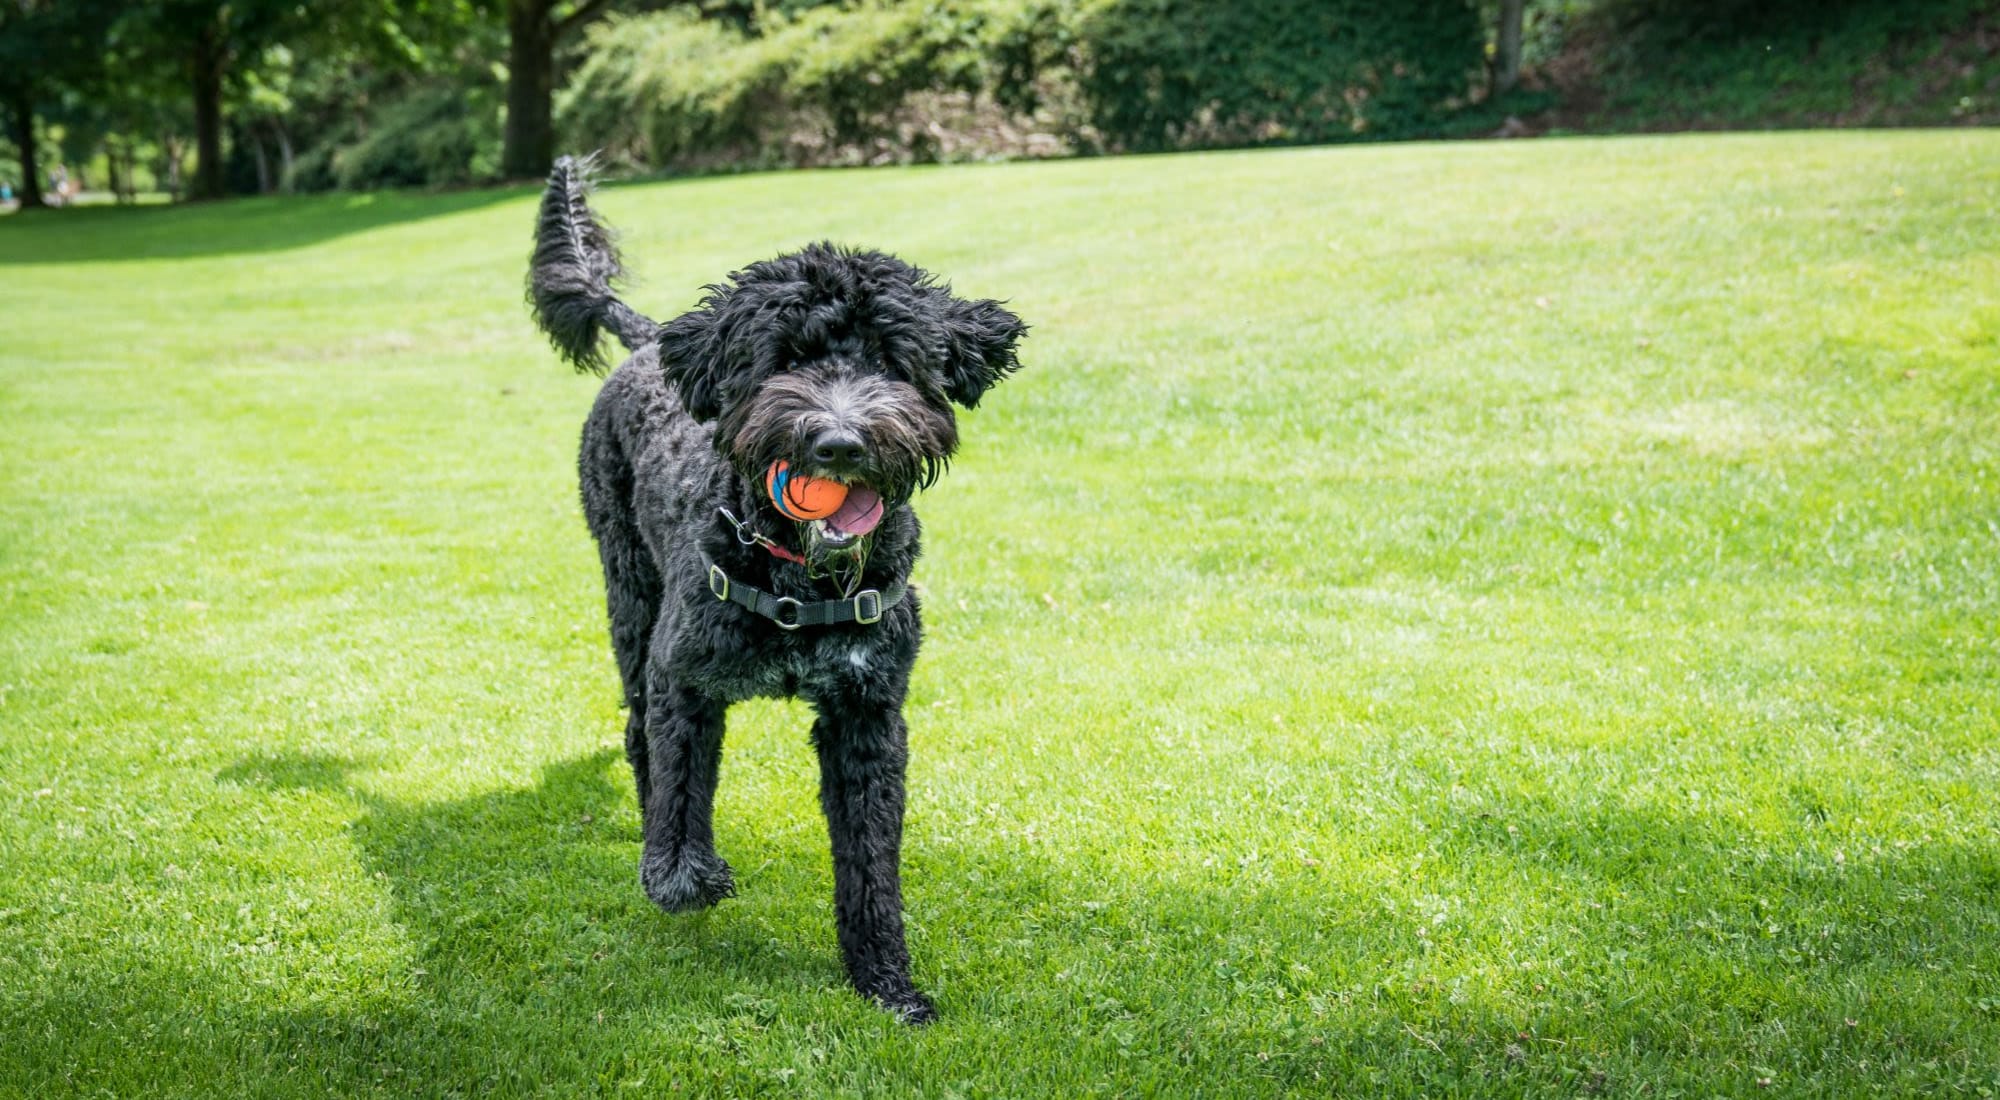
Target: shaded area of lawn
(85,234)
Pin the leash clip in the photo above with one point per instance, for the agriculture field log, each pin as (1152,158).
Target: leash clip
(744,535)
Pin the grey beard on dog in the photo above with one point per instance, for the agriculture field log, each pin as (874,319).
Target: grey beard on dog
(845,365)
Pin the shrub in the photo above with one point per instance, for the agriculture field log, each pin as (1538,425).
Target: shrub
(1162,74)
(431,137)
(428,135)
(828,84)
(656,88)
(671,89)
(1729,62)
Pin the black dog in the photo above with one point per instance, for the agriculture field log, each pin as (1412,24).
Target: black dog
(843,365)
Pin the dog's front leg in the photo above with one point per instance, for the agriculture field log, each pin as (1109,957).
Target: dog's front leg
(679,867)
(863,748)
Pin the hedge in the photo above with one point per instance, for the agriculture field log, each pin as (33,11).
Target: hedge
(1166,74)
(669,89)
(1678,63)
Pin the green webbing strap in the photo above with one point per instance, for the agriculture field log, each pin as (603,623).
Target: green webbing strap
(865,606)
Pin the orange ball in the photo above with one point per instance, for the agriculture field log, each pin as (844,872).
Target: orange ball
(800,497)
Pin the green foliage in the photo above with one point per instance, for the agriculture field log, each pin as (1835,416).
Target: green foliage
(669,88)
(1732,62)
(858,66)
(46,45)
(658,88)
(742,83)
(436,135)
(311,78)
(746,15)
(362,119)
(1162,74)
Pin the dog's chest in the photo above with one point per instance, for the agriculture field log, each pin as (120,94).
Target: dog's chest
(837,665)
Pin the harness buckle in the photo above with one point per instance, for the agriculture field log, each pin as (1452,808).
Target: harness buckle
(867,606)
(718,582)
(778,613)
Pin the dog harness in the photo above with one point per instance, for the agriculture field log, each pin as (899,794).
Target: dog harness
(864,607)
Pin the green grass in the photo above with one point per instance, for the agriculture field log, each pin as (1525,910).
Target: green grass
(1429,620)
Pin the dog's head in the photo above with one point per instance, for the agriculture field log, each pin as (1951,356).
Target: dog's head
(843,364)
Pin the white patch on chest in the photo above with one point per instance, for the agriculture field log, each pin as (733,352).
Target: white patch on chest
(857,658)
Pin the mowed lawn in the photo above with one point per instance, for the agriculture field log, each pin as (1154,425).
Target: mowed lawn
(1479,619)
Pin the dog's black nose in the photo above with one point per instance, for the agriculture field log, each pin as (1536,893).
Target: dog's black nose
(839,448)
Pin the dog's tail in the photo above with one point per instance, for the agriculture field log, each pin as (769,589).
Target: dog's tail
(571,275)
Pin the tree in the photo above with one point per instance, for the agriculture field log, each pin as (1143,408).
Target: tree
(240,56)
(211,43)
(219,33)
(534,27)
(1507,48)
(46,47)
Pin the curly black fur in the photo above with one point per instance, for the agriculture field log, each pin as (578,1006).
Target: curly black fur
(826,302)
(845,364)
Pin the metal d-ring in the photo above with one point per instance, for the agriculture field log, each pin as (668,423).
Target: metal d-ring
(744,535)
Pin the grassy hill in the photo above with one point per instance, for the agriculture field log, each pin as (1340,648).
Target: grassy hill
(1497,619)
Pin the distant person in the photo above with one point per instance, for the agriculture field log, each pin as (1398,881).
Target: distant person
(59,186)
(6,192)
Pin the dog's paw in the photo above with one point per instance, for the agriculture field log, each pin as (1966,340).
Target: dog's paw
(910,1006)
(687,881)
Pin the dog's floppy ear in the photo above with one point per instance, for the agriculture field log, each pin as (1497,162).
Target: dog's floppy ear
(979,347)
(692,352)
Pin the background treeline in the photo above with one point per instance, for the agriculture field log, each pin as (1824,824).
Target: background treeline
(208,97)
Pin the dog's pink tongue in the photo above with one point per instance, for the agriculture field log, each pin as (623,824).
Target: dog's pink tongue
(859,513)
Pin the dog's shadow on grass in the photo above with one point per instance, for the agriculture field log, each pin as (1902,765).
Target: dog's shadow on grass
(523,928)
(515,888)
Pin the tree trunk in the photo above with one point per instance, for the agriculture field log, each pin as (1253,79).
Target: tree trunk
(530,139)
(263,162)
(129,163)
(1507,48)
(21,108)
(111,170)
(171,145)
(284,156)
(209,55)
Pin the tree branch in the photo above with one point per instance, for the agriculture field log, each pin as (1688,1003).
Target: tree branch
(582,14)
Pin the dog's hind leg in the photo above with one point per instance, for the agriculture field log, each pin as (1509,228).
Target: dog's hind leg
(632,595)
(679,868)
(863,752)
(632,586)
